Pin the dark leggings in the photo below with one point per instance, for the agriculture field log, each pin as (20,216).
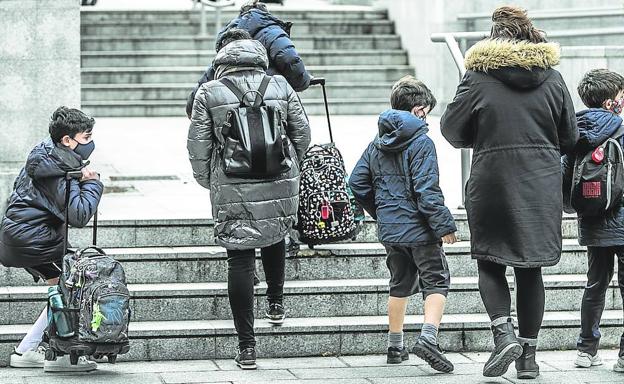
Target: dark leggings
(529,296)
(241,268)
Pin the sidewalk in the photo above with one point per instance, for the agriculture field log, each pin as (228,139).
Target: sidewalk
(556,367)
(144,163)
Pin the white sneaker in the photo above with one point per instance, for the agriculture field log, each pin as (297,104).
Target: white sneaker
(619,366)
(585,360)
(29,359)
(63,364)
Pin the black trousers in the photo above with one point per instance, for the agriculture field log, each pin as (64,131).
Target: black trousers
(241,268)
(600,262)
(529,296)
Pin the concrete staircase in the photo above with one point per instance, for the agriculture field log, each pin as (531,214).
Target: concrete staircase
(335,296)
(144,63)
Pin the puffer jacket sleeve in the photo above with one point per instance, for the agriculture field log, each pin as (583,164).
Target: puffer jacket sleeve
(206,77)
(84,198)
(455,122)
(424,174)
(567,128)
(284,57)
(200,139)
(298,126)
(361,184)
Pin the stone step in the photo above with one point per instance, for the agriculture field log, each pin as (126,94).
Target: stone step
(351,73)
(203,58)
(120,92)
(334,262)
(356,335)
(191,42)
(164,108)
(199,232)
(313,298)
(91,16)
(176,28)
(551,20)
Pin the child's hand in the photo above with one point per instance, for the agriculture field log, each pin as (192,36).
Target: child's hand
(449,239)
(88,174)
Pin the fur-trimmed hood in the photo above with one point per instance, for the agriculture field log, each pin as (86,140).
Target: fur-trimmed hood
(520,64)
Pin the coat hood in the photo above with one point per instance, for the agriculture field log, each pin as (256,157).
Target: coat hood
(397,129)
(50,160)
(519,64)
(595,125)
(239,56)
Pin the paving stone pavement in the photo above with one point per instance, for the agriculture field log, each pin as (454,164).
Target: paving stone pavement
(556,367)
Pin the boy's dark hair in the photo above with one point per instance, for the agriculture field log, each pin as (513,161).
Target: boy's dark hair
(70,122)
(248,6)
(232,35)
(409,92)
(598,86)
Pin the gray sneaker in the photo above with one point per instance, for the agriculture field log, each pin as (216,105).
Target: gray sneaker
(619,366)
(29,359)
(63,364)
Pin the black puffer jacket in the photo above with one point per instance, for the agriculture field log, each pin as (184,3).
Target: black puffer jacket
(274,34)
(515,111)
(396,181)
(31,232)
(595,126)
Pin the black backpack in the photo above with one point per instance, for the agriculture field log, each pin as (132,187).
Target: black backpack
(598,178)
(254,144)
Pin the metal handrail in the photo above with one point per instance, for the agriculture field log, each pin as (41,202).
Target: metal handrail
(218,5)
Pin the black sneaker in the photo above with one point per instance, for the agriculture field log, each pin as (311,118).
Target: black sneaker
(396,355)
(433,355)
(246,358)
(276,313)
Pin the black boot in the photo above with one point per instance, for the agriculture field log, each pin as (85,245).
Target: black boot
(506,348)
(526,366)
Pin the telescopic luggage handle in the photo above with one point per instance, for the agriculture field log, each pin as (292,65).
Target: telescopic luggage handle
(321,81)
(69,176)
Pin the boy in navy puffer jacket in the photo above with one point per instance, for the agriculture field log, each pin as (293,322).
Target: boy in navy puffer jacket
(602,91)
(396,181)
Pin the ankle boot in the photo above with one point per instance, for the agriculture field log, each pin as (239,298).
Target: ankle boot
(526,366)
(506,348)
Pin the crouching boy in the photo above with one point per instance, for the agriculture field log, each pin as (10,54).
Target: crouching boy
(396,181)
(32,229)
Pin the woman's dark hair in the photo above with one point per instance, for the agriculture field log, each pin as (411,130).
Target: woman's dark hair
(69,122)
(248,6)
(598,86)
(512,23)
(232,35)
(410,92)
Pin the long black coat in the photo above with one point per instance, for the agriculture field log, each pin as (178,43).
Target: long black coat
(31,232)
(515,111)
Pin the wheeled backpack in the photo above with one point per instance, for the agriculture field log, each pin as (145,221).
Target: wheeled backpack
(91,317)
(326,211)
(598,178)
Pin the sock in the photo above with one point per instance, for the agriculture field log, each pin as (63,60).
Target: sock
(395,339)
(429,332)
(34,335)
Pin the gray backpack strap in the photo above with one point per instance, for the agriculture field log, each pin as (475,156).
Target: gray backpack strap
(233,88)
(262,90)
(259,99)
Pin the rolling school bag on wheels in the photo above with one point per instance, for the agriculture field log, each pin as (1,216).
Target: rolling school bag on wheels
(326,208)
(89,310)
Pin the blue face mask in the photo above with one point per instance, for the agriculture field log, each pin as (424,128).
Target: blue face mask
(85,150)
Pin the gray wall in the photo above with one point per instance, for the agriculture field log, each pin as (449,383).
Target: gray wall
(415,20)
(39,71)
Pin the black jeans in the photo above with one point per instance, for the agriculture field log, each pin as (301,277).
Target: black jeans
(600,262)
(241,268)
(529,296)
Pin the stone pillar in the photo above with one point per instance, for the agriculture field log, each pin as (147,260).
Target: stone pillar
(39,71)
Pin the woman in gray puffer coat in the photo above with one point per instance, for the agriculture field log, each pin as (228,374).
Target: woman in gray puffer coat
(248,213)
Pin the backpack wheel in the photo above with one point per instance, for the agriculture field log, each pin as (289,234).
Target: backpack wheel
(50,355)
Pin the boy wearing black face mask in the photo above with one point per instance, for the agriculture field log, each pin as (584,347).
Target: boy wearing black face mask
(602,91)
(31,232)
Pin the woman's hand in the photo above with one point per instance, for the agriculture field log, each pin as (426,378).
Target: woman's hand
(88,174)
